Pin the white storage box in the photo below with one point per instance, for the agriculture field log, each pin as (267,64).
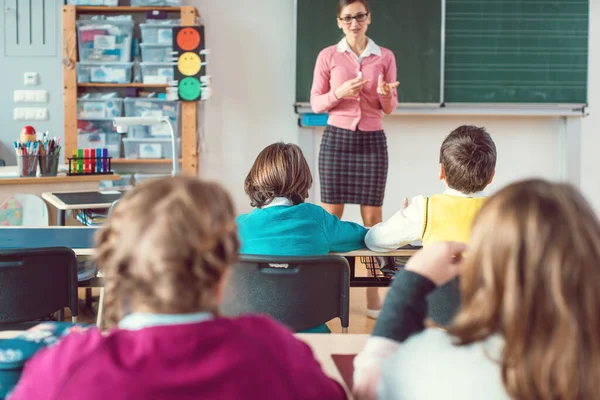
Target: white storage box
(103,72)
(157,73)
(105,40)
(162,3)
(140,178)
(157,53)
(110,141)
(149,148)
(151,107)
(158,32)
(93,108)
(123,183)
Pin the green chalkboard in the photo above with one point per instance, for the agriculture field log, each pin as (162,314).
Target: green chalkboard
(410,28)
(516,51)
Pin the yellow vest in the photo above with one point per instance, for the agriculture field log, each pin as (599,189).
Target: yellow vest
(449,218)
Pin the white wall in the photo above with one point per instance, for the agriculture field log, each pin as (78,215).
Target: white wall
(253,68)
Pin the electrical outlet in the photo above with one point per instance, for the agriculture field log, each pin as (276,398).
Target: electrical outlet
(19,96)
(41,96)
(18,114)
(29,96)
(29,114)
(41,114)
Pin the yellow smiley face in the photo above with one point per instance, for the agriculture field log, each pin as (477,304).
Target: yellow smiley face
(189,64)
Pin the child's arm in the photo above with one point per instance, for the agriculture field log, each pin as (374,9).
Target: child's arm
(343,236)
(404,227)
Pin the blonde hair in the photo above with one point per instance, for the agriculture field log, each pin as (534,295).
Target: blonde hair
(533,276)
(280,170)
(166,247)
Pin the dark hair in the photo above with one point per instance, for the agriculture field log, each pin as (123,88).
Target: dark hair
(468,156)
(280,170)
(344,3)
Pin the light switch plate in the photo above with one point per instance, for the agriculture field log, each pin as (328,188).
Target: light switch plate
(41,114)
(19,96)
(30,78)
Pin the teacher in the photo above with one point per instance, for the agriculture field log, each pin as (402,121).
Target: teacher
(355,82)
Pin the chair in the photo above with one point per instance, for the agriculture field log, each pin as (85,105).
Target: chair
(23,210)
(35,283)
(300,292)
(2,162)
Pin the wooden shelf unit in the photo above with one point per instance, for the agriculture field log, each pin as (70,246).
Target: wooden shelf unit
(142,161)
(189,110)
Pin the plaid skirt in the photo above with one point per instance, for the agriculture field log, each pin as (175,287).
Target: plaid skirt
(353,166)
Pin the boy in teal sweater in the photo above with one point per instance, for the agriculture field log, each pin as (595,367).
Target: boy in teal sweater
(282,224)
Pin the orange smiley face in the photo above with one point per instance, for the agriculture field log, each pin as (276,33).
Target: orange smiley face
(188,39)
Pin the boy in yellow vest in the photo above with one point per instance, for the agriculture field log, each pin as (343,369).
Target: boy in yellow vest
(467,166)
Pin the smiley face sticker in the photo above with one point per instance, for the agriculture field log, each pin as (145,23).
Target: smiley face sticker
(189,64)
(188,39)
(189,89)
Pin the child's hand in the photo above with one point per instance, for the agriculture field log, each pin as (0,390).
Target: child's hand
(405,203)
(439,262)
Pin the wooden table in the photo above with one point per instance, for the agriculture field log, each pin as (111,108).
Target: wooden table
(11,183)
(324,345)
(80,200)
(373,281)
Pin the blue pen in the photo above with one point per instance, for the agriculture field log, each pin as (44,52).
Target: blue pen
(98,160)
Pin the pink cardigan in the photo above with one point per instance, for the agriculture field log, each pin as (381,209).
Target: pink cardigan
(364,111)
(221,359)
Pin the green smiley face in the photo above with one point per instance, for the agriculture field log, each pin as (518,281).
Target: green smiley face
(189,89)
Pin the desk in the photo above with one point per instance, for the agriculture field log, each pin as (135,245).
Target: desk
(368,258)
(79,239)
(9,334)
(324,345)
(81,200)
(11,183)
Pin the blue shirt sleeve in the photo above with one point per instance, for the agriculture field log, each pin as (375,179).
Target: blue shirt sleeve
(343,236)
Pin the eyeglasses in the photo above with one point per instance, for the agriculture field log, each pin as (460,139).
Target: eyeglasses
(362,17)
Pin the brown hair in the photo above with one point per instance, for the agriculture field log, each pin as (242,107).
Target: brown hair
(344,3)
(533,276)
(468,156)
(280,170)
(166,247)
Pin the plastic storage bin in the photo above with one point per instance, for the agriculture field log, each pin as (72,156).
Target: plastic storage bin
(157,72)
(103,72)
(149,148)
(110,141)
(158,32)
(140,178)
(123,183)
(94,108)
(109,3)
(157,53)
(163,3)
(144,107)
(105,40)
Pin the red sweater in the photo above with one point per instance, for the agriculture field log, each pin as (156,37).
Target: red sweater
(246,358)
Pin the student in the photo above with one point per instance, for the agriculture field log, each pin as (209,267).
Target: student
(467,166)
(528,326)
(282,223)
(165,254)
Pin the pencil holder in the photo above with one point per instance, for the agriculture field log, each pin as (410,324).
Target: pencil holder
(49,164)
(27,165)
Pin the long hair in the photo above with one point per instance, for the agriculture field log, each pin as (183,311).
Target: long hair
(532,275)
(166,247)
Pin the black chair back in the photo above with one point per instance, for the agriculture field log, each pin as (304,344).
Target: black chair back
(300,292)
(37,282)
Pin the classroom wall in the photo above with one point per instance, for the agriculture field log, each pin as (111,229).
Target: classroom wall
(252,64)
(49,69)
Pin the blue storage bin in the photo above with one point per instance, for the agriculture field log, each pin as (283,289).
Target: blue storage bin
(314,119)
(158,32)
(94,72)
(143,107)
(157,53)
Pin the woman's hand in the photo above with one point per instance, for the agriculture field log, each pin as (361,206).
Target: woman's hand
(439,262)
(384,88)
(350,88)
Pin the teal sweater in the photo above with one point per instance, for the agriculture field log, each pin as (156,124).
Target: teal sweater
(300,230)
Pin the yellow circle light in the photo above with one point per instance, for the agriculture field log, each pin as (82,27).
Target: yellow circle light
(189,64)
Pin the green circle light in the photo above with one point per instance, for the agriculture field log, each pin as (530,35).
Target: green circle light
(189,89)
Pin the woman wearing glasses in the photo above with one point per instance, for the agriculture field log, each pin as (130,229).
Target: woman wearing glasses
(355,82)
